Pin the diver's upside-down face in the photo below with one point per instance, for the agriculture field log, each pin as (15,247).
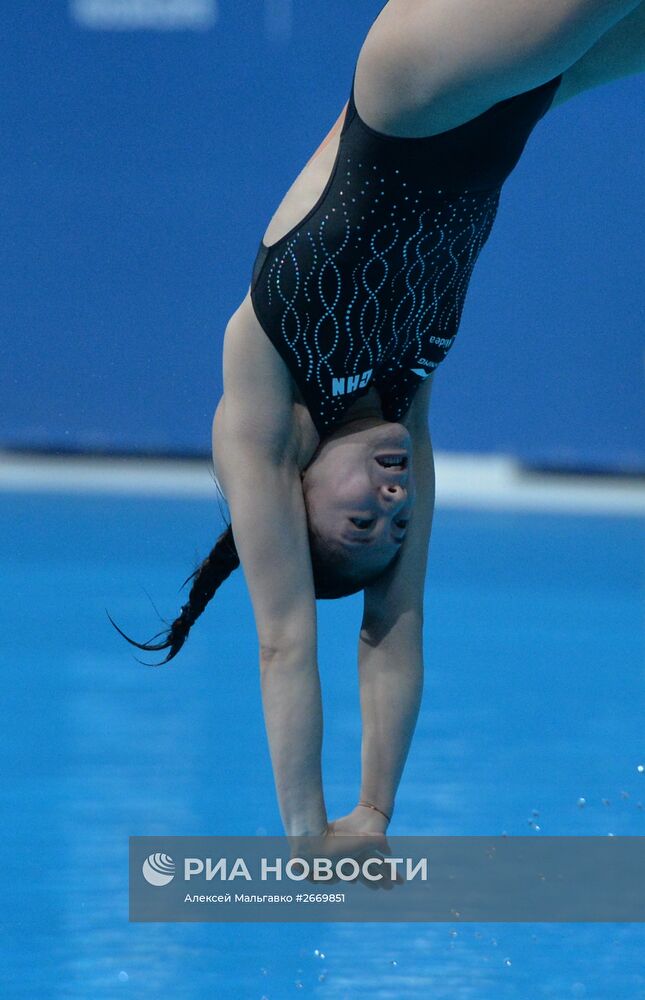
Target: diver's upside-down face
(359,490)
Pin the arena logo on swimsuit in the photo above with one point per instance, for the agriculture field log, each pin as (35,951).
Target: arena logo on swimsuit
(350,383)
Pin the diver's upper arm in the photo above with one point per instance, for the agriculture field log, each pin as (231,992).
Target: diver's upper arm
(416,419)
(253,441)
(258,394)
(400,590)
(270,530)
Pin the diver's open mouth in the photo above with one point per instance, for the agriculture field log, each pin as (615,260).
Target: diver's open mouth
(393,460)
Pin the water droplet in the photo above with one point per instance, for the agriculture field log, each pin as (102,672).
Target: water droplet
(624,795)
(610,835)
(493,941)
(507,962)
(322,977)
(393,961)
(454,934)
(299,985)
(582,802)
(640,768)
(535,813)
(264,972)
(123,977)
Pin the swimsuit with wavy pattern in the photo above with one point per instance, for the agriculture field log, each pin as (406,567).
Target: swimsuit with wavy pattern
(368,288)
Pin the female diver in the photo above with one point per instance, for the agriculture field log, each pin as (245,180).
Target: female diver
(321,440)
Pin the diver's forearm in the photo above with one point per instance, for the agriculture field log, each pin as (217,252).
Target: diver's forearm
(391,686)
(292,704)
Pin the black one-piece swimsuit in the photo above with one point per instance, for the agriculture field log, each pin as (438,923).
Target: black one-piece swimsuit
(368,289)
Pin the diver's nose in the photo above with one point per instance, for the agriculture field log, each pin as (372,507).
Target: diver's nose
(393,495)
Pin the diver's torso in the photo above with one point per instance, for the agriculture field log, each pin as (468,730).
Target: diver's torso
(367,289)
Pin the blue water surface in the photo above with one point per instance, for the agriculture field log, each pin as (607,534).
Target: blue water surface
(534,698)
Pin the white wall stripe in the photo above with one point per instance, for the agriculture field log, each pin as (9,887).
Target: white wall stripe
(463,481)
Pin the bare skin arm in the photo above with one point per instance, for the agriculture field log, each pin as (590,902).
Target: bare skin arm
(390,661)
(390,653)
(255,454)
(253,448)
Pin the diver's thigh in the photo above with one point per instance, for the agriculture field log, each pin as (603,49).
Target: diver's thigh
(448,60)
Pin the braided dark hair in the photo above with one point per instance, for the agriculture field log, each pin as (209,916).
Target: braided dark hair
(332,580)
(207,578)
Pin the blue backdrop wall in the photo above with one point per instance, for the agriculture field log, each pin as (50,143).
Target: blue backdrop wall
(145,146)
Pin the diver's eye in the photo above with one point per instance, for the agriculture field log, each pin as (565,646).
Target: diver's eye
(361,522)
(401,524)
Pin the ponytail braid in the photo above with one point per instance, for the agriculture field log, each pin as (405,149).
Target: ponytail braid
(209,575)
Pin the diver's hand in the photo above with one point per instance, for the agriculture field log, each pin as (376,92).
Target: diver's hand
(334,845)
(361,819)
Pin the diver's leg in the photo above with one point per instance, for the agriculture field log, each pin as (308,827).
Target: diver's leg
(459,57)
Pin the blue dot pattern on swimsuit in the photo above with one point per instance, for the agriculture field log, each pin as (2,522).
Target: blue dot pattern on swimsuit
(368,288)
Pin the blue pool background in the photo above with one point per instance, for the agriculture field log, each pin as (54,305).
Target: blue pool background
(140,169)
(533,698)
